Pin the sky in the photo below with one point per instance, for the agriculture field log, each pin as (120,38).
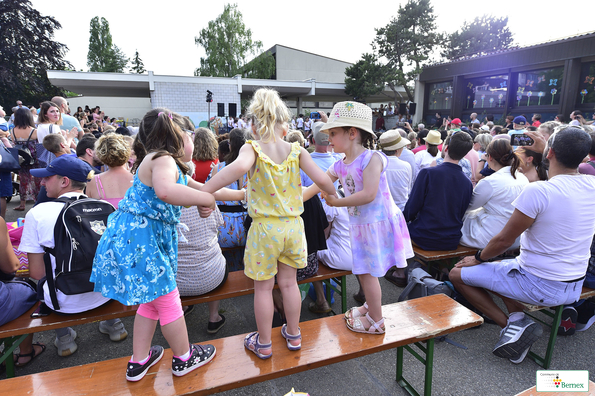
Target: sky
(163,32)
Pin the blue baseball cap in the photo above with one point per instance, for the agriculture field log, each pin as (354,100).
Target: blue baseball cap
(69,166)
(520,120)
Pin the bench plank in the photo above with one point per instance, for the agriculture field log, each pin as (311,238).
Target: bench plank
(434,255)
(325,341)
(237,284)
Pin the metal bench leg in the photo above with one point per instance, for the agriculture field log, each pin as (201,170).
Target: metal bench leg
(428,362)
(341,288)
(556,319)
(10,344)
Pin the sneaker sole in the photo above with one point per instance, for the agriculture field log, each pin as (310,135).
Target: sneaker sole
(142,375)
(520,359)
(69,351)
(585,326)
(525,340)
(189,369)
(121,336)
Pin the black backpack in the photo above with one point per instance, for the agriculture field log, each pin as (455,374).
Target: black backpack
(78,229)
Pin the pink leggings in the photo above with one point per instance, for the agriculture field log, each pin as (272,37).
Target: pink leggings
(166,308)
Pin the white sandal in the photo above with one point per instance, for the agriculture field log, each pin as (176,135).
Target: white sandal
(358,326)
(354,312)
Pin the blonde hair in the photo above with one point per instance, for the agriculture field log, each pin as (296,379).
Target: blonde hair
(295,136)
(268,111)
(112,149)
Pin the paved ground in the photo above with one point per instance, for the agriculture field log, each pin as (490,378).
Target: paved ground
(471,371)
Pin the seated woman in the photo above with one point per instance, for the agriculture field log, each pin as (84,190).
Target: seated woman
(114,151)
(424,158)
(16,297)
(232,233)
(491,203)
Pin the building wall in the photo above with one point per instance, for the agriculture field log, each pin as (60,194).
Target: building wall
(293,65)
(119,107)
(189,99)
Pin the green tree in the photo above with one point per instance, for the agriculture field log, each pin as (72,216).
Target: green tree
(484,34)
(227,43)
(103,55)
(137,64)
(263,66)
(27,51)
(406,44)
(365,78)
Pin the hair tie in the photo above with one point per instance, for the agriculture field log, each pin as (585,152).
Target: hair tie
(169,115)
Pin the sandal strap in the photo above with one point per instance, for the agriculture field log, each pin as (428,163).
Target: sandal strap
(288,336)
(376,325)
(260,346)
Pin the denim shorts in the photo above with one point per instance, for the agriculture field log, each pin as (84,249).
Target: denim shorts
(508,279)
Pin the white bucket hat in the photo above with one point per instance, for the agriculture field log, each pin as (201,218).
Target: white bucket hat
(392,140)
(350,114)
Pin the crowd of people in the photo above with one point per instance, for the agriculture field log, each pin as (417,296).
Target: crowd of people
(184,194)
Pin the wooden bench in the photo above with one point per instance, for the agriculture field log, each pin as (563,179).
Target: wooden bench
(544,361)
(533,392)
(450,256)
(237,284)
(324,341)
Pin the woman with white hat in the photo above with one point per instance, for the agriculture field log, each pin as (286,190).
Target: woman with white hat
(424,158)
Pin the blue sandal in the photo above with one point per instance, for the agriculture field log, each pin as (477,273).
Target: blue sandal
(290,337)
(251,343)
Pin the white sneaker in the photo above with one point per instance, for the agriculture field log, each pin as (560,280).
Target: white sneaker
(65,344)
(116,332)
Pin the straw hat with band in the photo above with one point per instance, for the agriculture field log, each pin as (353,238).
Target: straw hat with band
(350,114)
(433,138)
(392,141)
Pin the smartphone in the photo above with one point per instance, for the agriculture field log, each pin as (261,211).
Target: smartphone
(42,310)
(315,116)
(520,139)
(400,124)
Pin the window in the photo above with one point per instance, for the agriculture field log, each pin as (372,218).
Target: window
(486,92)
(440,96)
(539,88)
(587,84)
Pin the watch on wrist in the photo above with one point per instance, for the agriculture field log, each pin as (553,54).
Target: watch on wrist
(478,255)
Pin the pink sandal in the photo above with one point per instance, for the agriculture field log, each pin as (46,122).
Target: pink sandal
(358,326)
(354,312)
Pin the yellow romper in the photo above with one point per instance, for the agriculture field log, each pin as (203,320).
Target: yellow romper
(275,204)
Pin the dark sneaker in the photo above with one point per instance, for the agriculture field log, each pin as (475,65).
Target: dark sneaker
(516,337)
(214,327)
(199,356)
(136,371)
(586,315)
(568,322)
(519,359)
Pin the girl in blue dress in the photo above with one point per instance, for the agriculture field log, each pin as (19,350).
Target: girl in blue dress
(136,259)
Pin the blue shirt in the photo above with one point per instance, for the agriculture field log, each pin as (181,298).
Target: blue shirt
(436,206)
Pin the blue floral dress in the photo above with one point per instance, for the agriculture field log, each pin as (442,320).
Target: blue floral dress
(136,259)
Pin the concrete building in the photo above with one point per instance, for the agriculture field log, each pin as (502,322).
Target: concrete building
(306,81)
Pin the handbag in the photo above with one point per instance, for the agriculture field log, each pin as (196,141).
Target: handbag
(421,284)
(26,158)
(10,159)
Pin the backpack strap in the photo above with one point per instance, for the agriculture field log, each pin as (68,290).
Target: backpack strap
(592,163)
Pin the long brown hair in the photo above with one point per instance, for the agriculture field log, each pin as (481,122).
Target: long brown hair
(501,151)
(160,133)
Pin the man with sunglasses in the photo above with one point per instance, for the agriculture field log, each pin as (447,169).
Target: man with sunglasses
(553,219)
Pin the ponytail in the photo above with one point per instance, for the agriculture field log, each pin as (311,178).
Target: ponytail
(516,163)
(432,149)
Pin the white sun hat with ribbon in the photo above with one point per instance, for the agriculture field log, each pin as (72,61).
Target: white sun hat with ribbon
(350,114)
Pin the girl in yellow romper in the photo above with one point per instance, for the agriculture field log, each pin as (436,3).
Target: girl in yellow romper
(276,244)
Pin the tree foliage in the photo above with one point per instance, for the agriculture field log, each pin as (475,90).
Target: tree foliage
(365,78)
(406,44)
(103,55)
(263,66)
(227,43)
(484,34)
(137,64)
(27,51)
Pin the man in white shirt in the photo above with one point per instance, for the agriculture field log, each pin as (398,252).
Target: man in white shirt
(554,220)
(300,122)
(398,172)
(67,176)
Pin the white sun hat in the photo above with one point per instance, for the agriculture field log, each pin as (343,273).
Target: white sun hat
(350,114)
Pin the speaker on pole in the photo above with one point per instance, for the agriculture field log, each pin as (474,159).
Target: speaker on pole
(233,110)
(402,108)
(412,108)
(220,109)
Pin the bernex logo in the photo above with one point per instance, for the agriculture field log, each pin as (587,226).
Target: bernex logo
(562,381)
